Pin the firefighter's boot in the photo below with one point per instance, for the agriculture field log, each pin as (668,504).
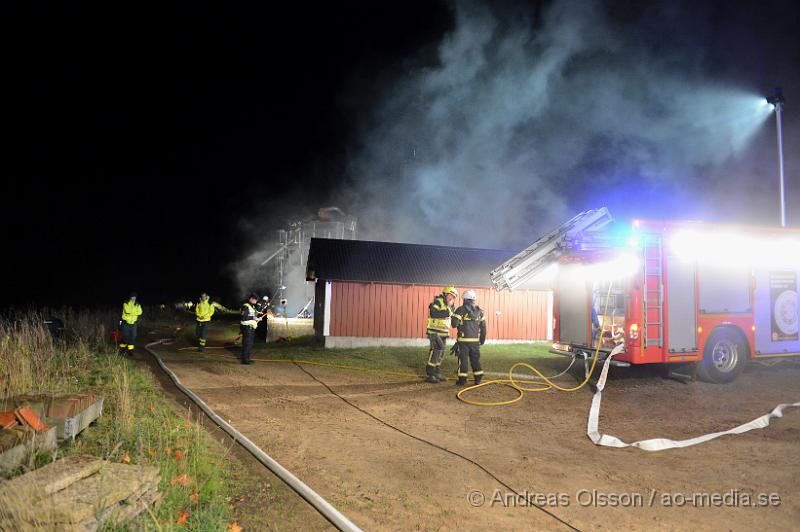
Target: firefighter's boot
(430,374)
(462,381)
(478,379)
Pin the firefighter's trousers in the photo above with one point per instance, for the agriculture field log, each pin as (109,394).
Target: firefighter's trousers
(128,331)
(436,354)
(201,331)
(248,336)
(469,354)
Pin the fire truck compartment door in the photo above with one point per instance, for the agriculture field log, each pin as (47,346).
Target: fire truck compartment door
(573,312)
(776,314)
(724,289)
(681,305)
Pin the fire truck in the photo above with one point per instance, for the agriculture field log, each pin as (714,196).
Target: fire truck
(672,291)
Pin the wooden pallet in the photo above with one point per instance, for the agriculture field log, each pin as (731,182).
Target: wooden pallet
(77,493)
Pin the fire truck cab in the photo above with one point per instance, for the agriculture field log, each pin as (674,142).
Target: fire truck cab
(671,291)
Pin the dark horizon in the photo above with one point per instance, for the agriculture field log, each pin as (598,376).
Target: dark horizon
(153,148)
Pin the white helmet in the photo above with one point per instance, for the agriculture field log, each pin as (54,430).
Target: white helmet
(469,294)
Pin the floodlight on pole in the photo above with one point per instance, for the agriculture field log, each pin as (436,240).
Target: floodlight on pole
(777,101)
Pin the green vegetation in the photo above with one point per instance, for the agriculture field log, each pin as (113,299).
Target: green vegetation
(138,425)
(494,357)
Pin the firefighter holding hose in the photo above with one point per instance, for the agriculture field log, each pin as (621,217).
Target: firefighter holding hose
(471,325)
(203,310)
(439,312)
(131,310)
(248,325)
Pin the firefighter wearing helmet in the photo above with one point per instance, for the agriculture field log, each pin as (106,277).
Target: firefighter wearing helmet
(471,325)
(439,312)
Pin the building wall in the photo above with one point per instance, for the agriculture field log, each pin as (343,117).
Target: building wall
(319,309)
(401,311)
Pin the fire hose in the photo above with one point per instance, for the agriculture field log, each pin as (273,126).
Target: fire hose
(522,386)
(592,427)
(661,444)
(327,510)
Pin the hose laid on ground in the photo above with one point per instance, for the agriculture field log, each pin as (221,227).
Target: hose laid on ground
(322,364)
(327,510)
(299,363)
(477,464)
(661,444)
(538,386)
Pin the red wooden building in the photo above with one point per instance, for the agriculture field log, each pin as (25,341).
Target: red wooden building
(377,293)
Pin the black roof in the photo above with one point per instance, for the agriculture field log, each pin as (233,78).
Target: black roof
(389,262)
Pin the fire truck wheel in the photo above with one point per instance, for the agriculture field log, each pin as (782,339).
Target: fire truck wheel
(724,356)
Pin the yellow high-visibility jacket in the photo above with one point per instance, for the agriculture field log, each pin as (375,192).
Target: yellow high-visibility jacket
(131,310)
(439,316)
(204,310)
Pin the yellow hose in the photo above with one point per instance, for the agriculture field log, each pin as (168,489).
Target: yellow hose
(517,385)
(541,386)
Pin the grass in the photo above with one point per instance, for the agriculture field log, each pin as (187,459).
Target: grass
(494,357)
(138,425)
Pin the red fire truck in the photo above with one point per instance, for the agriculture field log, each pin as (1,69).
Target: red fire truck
(716,295)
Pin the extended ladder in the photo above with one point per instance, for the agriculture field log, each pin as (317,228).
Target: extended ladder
(653,292)
(548,249)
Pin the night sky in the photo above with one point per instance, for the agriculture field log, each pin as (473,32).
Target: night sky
(140,137)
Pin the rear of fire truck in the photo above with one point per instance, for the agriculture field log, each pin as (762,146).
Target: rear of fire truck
(590,274)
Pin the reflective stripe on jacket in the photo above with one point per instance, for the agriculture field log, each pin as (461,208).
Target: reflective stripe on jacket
(249,316)
(471,325)
(204,311)
(439,316)
(131,310)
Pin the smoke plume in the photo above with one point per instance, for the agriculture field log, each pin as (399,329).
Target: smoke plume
(525,118)
(523,122)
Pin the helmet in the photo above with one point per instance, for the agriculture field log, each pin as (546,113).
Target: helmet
(450,290)
(469,294)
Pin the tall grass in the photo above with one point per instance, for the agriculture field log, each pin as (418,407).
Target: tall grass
(138,425)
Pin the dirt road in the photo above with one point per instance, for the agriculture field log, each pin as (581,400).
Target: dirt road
(383,479)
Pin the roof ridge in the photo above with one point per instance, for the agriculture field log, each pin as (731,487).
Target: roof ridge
(439,246)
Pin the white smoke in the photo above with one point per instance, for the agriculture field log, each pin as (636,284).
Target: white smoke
(523,121)
(519,126)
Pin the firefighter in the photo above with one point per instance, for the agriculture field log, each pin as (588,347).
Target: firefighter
(471,325)
(439,312)
(261,308)
(203,310)
(131,310)
(248,326)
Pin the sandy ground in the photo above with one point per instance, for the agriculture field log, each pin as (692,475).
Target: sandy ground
(383,479)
